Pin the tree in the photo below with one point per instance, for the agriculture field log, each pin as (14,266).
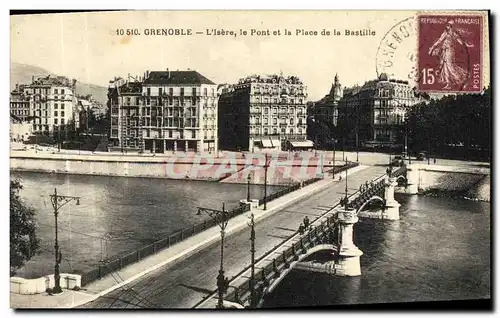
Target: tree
(24,242)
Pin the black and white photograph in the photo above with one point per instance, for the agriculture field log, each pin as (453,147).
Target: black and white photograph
(176,159)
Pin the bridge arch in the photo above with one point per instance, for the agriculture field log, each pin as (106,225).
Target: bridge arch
(374,198)
(301,257)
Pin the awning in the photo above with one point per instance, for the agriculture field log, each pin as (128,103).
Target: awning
(276,142)
(266,143)
(302,144)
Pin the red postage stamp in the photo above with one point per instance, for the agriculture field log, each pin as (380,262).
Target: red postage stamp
(450,53)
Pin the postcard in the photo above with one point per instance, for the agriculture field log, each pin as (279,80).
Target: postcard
(250,159)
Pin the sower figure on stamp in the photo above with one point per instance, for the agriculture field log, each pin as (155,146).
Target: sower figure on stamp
(449,72)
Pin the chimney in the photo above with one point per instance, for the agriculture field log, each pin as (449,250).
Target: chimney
(147,73)
(168,71)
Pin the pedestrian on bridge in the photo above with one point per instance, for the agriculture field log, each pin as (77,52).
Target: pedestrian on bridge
(306,222)
(301,229)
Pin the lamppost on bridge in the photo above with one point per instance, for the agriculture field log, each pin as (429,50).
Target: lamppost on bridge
(253,296)
(221,219)
(58,201)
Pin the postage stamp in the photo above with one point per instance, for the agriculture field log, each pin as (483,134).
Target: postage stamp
(450,53)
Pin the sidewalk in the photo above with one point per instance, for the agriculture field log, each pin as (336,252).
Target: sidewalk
(92,291)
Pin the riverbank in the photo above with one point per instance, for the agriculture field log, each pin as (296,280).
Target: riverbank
(283,168)
(466,182)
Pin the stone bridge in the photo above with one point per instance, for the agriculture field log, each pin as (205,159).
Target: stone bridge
(330,233)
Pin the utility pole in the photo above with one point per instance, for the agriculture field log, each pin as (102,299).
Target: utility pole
(333,160)
(221,218)
(265,183)
(357,148)
(253,298)
(343,148)
(58,201)
(248,187)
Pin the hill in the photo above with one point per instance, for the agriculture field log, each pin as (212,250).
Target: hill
(22,73)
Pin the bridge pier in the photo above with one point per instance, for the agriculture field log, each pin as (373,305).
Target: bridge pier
(391,209)
(412,179)
(348,259)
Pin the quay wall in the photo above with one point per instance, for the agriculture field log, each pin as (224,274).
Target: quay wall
(233,170)
(471,182)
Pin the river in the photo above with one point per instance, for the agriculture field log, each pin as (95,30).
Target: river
(438,250)
(116,214)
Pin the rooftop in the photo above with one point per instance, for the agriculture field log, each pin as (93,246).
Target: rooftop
(176,78)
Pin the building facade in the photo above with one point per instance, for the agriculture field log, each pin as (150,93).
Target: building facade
(263,112)
(373,115)
(49,102)
(323,116)
(164,111)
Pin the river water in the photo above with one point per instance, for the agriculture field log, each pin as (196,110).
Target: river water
(116,214)
(438,250)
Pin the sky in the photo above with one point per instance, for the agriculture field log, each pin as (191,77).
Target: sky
(86,46)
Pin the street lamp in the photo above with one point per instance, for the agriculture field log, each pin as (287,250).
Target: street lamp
(58,201)
(253,298)
(333,160)
(266,165)
(221,219)
(249,178)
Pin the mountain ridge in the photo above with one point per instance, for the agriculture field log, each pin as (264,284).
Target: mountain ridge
(22,74)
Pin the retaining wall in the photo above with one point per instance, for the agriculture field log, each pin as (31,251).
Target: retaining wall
(25,286)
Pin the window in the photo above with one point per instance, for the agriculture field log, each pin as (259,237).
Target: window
(275,131)
(257,131)
(266,131)
(55,106)
(266,100)
(148,91)
(160,91)
(266,121)
(213,92)
(62,91)
(62,121)
(300,131)
(128,101)
(56,97)
(55,91)
(62,114)
(171,92)
(283,131)
(193,91)
(55,113)
(266,110)
(275,110)
(275,121)
(55,121)
(291,131)
(291,121)
(182,91)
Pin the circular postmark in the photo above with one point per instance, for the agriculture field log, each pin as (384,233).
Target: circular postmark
(396,53)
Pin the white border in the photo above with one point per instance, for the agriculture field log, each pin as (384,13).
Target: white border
(189,4)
